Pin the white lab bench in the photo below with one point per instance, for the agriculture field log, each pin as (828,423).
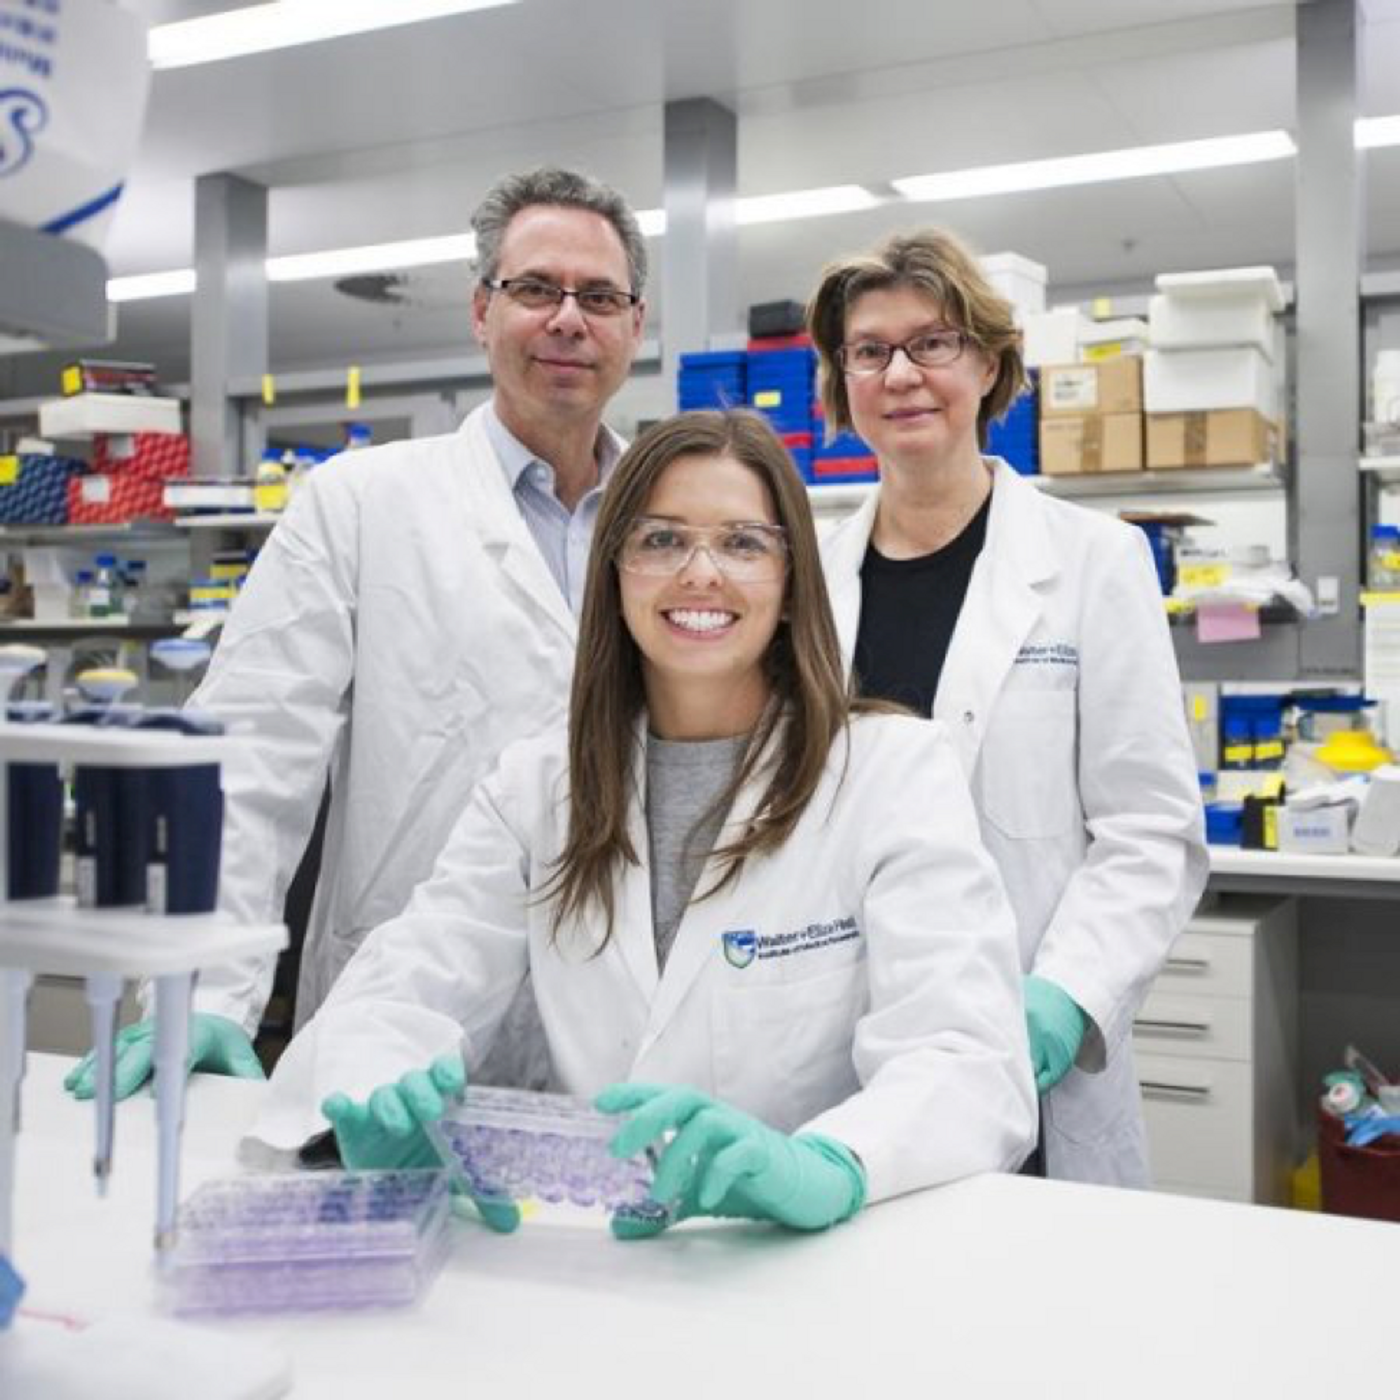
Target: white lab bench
(996,1286)
(1280,872)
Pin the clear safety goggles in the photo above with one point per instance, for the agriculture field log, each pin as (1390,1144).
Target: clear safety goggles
(743,550)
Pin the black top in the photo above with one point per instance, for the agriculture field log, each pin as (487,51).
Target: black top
(908,610)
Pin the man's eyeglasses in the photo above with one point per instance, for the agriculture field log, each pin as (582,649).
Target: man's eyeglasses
(928,351)
(536,295)
(742,551)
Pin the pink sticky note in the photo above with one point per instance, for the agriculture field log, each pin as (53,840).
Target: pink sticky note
(1226,622)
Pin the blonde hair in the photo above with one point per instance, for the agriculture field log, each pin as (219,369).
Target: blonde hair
(935,263)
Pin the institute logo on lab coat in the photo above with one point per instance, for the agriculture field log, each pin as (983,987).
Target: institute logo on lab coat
(740,945)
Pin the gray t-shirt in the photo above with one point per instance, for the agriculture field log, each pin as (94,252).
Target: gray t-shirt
(684,780)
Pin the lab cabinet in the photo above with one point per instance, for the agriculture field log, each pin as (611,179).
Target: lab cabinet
(1216,1048)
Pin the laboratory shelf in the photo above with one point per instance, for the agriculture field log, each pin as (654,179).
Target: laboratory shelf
(88,626)
(1289,872)
(1386,470)
(228,520)
(131,532)
(1265,476)
(55,936)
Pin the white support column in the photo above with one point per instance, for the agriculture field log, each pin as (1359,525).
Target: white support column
(229,317)
(700,294)
(1327,491)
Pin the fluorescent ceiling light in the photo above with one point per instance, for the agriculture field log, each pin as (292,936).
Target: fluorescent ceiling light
(372,257)
(803,204)
(259,28)
(1101,166)
(1377,131)
(147,286)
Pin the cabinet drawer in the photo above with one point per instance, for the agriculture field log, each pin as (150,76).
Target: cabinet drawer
(1214,963)
(1218,1027)
(1200,1120)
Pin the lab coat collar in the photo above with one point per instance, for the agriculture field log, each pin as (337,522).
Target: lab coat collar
(502,529)
(1001,608)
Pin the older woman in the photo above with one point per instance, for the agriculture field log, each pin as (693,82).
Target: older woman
(1034,630)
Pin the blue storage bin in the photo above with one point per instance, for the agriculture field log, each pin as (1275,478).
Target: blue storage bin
(35,490)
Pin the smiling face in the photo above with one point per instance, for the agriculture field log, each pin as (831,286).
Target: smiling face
(557,365)
(911,415)
(702,635)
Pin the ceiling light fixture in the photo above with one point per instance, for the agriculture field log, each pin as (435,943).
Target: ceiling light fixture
(281,25)
(803,204)
(1134,163)
(372,257)
(1372,132)
(147,286)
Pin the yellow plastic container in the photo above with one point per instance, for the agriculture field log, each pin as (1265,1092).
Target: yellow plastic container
(1352,751)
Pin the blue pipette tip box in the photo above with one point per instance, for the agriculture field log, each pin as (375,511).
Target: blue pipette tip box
(319,1241)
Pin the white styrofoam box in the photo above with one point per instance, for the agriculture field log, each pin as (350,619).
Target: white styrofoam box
(1123,335)
(1051,337)
(1259,282)
(1195,381)
(84,415)
(1020,280)
(1185,323)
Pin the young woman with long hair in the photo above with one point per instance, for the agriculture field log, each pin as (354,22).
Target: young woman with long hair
(744,927)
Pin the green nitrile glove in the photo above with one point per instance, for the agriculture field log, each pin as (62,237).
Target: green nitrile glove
(386,1131)
(1056,1027)
(217,1045)
(724,1162)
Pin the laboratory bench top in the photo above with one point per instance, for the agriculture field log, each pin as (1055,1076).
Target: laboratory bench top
(1286,872)
(995,1286)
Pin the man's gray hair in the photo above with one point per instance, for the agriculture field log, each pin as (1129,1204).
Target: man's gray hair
(566,189)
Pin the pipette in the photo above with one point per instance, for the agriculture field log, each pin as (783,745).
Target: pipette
(173,994)
(104,991)
(16,661)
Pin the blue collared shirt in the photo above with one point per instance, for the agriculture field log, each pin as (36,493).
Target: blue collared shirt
(563,536)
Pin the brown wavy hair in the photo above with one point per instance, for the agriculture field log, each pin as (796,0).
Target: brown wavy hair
(934,262)
(810,699)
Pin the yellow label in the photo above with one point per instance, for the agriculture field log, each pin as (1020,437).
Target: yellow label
(1271,828)
(1238,753)
(768,398)
(71,380)
(1104,350)
(9,470)
(1203,575)
(1101,308)
(269,391)
(1200,711)
(230,572)
(352,387)
(1390,560)
(1175,606)
(1271,786)
(1270,748)
(1373,598)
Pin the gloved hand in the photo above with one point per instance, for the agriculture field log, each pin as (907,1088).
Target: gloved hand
(723,1162)
(386,1133)
(216,1044)
(1056,1027)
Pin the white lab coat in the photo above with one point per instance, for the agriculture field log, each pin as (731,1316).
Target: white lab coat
(1062,696)
(882,1006)
(400,627)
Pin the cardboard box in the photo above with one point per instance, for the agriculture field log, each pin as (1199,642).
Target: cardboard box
(1228,437)
(1096,442)
(1191,381)
(1110,386)
(1185,323)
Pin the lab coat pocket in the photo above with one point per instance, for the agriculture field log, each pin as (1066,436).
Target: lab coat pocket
(783,1048)
(1027,768)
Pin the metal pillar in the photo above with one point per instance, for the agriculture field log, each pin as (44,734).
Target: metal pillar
(1330,232)
(229,317)
(700,294)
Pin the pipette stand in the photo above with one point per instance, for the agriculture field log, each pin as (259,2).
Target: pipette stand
(110,947)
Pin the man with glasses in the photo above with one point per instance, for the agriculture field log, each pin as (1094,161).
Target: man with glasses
(414,612)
